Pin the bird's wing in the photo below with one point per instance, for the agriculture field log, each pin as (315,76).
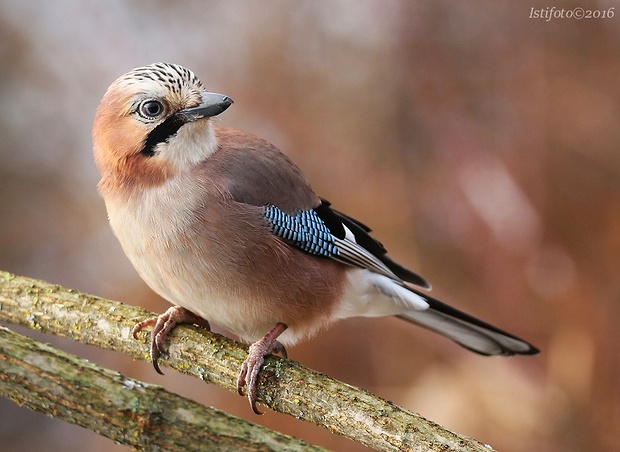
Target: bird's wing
(353,236)
(328,233)
(258,174)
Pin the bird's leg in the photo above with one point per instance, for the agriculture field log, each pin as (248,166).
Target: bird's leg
(163,325)
(252,364)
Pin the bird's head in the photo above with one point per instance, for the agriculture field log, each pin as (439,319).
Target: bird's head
(152,122)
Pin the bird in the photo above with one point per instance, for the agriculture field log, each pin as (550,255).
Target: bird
(225,227)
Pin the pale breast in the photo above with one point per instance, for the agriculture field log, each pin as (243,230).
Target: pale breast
(199,249)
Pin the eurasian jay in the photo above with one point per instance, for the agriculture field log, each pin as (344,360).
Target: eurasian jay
(226,228)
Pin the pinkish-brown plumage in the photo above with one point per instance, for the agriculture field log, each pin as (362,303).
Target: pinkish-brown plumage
(221,223)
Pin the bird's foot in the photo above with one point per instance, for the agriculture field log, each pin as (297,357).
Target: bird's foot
(252,364)
(163,325)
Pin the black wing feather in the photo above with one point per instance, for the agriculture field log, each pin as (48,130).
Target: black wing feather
(336,221)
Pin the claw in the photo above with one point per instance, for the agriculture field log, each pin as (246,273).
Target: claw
(163,325)
(248,376)
(279,348)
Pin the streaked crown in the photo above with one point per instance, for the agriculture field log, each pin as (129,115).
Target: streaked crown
(139,134)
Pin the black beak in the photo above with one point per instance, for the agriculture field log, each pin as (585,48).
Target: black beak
(212,104)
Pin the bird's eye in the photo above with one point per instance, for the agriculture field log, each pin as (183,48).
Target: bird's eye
(151,109)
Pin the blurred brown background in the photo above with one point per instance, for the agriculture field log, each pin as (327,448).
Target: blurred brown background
(480,144)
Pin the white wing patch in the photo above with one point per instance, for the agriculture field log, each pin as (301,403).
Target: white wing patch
(354,254)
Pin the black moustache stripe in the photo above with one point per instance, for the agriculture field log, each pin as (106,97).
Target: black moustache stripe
(161,134)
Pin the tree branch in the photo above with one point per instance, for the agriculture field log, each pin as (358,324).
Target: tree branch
(127,411)
(284,385)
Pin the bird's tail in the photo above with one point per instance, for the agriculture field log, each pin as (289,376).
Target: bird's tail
(466,330)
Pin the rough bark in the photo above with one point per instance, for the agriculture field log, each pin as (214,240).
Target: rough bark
(284,385)
(144,416)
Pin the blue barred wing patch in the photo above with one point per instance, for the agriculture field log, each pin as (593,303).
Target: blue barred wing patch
(305,230)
